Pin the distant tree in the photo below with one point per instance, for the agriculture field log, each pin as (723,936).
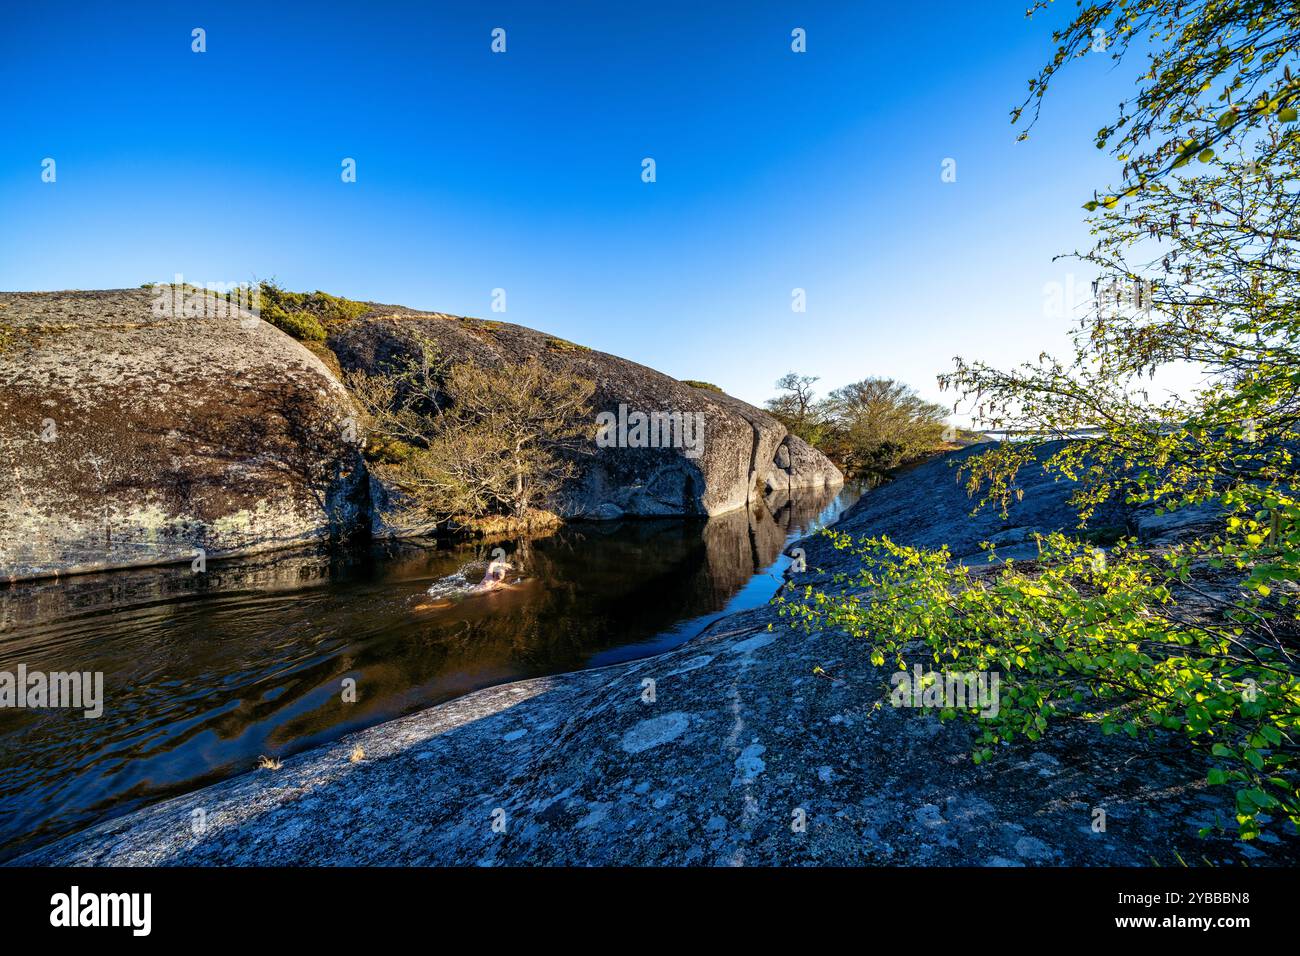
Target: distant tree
(877,424)
(796,407)
(867,428)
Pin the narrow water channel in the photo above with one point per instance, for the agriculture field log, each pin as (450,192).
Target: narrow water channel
(205,673)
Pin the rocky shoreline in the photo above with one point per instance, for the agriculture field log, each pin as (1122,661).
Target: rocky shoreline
(752,744)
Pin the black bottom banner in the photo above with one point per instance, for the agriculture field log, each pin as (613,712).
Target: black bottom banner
(343,905)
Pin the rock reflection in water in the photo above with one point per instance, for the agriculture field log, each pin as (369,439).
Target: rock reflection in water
(204,672)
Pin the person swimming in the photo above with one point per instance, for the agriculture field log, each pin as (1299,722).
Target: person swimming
(495,576)
(494,579)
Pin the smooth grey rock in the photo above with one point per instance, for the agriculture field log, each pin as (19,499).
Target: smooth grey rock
(1031,848)
(655,731)
(131,438)
(927,507)
(1014,536)
(1168,527)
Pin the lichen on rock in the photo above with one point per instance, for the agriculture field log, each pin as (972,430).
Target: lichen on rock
(132,438)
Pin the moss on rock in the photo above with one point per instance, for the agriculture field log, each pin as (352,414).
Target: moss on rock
(307,316)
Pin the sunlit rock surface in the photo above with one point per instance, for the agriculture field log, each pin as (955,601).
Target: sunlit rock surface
(133,438)
(130,438)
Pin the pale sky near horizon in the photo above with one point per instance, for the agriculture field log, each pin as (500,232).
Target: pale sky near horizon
(522,170)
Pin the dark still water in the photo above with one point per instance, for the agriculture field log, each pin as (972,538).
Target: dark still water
(204,673)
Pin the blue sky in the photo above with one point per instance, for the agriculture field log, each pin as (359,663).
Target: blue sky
(522,170)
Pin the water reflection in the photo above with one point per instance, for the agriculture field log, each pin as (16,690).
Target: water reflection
(202,673)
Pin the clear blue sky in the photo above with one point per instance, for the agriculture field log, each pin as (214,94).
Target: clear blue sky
(522,170)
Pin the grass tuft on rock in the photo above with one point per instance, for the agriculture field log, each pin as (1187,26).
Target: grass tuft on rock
(307,316)
(564,345)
